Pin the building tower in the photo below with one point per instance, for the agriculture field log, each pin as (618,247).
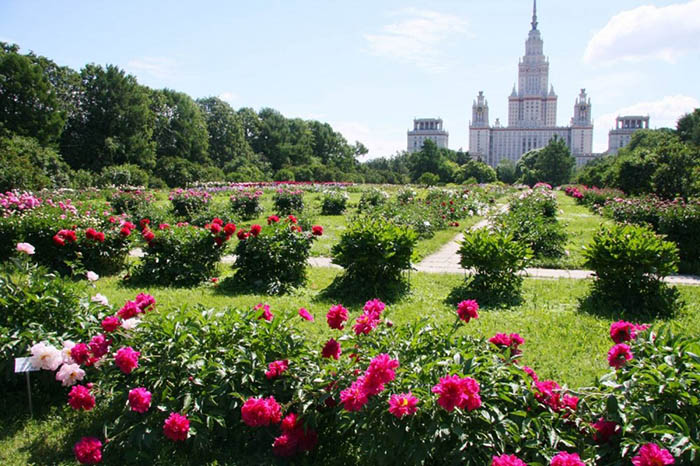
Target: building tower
(581,126)
(625,127)
(426,128)
(479,134)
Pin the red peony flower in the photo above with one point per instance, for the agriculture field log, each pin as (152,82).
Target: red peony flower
(402,404)
(111,323)
(331,349)
(242,235)
(88,450)
(605,430)
(259,412)
(125,232)
(80,353)
(127,359)
(317,230)
(139,399)
(292,218)
(215,228)
(217,221)
(81,398)
(652,455)
(148,235)
(58,240)
(272,219)
(229,229)
(336,316)
(467,310)
(619,355)
(176,427)
(144,222)
(276,368)
(255,229)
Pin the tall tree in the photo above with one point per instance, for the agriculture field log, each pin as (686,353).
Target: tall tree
(180,128)
(28,102)
(227,138)
(551,164)
(688,127)
(113,123)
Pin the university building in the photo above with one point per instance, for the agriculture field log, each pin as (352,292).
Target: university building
(532,113)
(625,127)
(426,128)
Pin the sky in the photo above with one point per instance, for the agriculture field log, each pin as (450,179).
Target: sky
(370,67)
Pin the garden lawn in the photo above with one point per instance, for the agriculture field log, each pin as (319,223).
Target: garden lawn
(580,225)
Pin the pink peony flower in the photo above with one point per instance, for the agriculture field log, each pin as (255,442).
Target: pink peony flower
(566,459)
(276,368)
(529,371)
(331,349)
(467,310)
(88,450)
(570,402)
(548,393)
(111,323)
(80,353)
(512,341)
(364,324)
(145,302)
(100,299)
(622,331)
(26,248)
(652,455)
(92,276)
(266,314)
(619,355)
(382,367)
(176,427)
(80,397)
(285,445)
(402,404)
(374,308)
(458,392)
(258,412)
(294,437)
(127,359)
(354,397)
(69,374)
(507,460)
(139,399)
(605,430)
(336,316)
(99,345)
(305,314)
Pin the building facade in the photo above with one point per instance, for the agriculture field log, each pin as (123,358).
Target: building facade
(625,127)
(426,128)
(532,113)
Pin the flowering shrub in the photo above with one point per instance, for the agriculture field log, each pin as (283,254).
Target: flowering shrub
(372,197)
(188,201)
(288,201)
(334,202)
(130,201)
(246,204)
(272,259)
(630,262)
(182,255)
(14,201)
(374,252)
(496,258)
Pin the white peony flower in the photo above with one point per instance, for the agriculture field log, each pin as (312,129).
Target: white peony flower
(130,324)
(25,248)
(99,298)
(65,352)
(92,276)
(69,374)
(45,356)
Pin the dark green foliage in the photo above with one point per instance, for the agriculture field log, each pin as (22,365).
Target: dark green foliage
(27,165)
(227,139)
(496,259)
(688,127)
(374,252)
(477,170)
(179,256)
(180,127)
(124,175)
(630,262)
(505,171)
(371,197)
(288,201)
(274,261)
(552,164)
(334,203)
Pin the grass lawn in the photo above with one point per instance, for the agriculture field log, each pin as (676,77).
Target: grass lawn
(580,225)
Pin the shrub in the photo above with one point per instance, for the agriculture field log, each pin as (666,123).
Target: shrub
(182,255)
(272,259)
(130,201)
(288,201)
(246,204)
(124,175)
(334,203)
(372,198)
(188,202)
(630,262)
(374,252)
(496,259)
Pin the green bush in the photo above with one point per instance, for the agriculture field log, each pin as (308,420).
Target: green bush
(372,197)
(181,255)
(246,204)
(334,202)
(187,202)
(272,259)
(374,252)
(496,259)
(124,175)
(288,201)
(630,262)
(130,201)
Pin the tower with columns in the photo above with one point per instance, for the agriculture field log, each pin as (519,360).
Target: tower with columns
(532,112)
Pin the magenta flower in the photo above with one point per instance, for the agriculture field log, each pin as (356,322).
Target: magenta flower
(139,399)
(652,455)
(81,398)
(331,349)
(374,307)
(457,392)
(80,353)
(354,397)
(129,310)
(566,459)
(99,345)
(622,331)
(467,310)
(88,450)
(305,314)
(507,460)
(619,355)
(336,316)
(266,314)
(176,427)
(276,368)
(258,412)
(127,359)
(402,404)
(364,324)
(111,323)
(605,430)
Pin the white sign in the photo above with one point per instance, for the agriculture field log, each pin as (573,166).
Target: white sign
(24,365)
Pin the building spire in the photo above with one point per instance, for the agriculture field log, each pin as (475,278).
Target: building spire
(534,15)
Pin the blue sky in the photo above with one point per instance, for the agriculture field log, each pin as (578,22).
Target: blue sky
(369,67)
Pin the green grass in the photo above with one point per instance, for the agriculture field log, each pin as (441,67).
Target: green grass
(580,225)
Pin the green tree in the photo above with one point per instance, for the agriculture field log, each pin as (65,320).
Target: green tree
(428,179)
(180,128)
(688,127)
(505,171)
(227,134)
(551,164)
(28,165)
(113,123)
(480,171)
(28,103)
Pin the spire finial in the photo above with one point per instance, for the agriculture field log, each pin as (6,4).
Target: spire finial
(534,15)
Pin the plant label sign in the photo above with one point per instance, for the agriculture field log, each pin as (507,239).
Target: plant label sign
(24,365)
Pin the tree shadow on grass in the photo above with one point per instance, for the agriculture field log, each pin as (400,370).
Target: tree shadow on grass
(356,292)
(493,298)
(662,302)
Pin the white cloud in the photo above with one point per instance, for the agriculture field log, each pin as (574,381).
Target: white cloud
(157,67)
(663,113)
(417,38)
(380,142)
(647,32)
(228,96)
